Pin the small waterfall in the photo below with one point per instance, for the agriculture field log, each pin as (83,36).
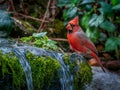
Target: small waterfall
(20,53)
(66,79)
(7,46)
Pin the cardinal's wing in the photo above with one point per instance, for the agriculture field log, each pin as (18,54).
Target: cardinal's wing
(85,41)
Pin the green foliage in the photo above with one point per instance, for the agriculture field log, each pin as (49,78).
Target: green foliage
(10,65)
(115,2)
(64,3)
(93,33)
(105,25)
(110,45)
(40,40)
(44,69)
(96,20)
(81,70)
(97,17)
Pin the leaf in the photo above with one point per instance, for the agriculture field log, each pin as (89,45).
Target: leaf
(85,20)
(111,44)
(37,35)
(62,3)
(108,26)
(26,39)
(118,40)
(92,33)
(117,19)
(87,1)
(89,7)
(96,20)
(65,15)
(71,12)
(114,2)
(116,7)
(74,1)
(93,19)
(105,8)
(102,37)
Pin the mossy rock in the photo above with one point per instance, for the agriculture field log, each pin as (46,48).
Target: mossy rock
(44,71)
(6,24)
(12,76)
(80,69)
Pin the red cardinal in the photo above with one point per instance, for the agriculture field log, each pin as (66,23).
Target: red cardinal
(79,42)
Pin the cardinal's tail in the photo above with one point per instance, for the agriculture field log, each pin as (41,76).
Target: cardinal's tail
(98,60)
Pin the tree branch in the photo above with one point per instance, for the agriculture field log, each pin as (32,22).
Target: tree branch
(14,10)
(48,5)
(59,39)
(30,17)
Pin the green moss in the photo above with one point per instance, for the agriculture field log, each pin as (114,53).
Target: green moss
(40,40)
(58,26)
(66,58)
(83,76)
(80,69)
(44,69)
(28,27)
(10,66)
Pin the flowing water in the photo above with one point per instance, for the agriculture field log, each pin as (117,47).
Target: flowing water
(66,78)
(26,67)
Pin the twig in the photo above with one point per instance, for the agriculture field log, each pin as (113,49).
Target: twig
(30,17)
(2,1)
(22,7)
(53,9)
(40,28)
(59,39)
(12,5)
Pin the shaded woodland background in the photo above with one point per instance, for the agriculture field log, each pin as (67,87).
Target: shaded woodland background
(100,19)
